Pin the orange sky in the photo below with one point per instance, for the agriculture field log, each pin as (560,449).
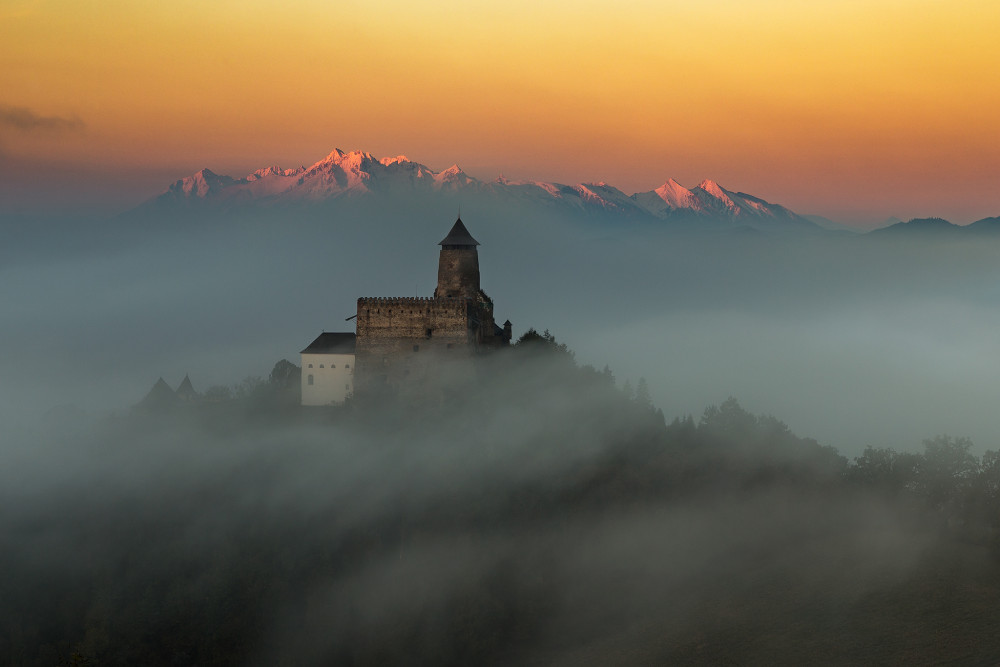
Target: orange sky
(852,109)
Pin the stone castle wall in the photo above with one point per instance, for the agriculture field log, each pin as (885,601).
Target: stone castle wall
(402,339)
(408,343)
(458,272)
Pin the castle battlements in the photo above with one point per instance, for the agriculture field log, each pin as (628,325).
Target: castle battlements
(395,300)
(412,305)
(400,339)
(402,343)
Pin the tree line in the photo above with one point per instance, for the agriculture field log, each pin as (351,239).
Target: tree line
(543,508)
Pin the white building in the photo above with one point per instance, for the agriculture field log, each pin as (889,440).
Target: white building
(328,369)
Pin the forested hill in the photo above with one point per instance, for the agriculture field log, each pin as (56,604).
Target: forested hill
(535,512)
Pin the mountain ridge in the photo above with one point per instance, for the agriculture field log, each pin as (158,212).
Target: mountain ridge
(359,174)
(938,228)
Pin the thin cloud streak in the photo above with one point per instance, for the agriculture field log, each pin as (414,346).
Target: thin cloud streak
(26,120)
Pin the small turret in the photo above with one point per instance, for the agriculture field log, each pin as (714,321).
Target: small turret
(161,397)
(508,331)
(186,391)
(458,266)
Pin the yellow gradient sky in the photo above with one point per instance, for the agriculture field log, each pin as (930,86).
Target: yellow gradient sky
(852,109)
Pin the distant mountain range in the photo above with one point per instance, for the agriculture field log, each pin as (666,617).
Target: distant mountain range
(359,174)
(938,227)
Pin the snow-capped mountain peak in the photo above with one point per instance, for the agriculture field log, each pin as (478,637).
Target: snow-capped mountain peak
(714,189)
(399,159)
(452,178)
(713,196)
(335,155)
(199,184)
(358,173)
(676,195)
(273,170)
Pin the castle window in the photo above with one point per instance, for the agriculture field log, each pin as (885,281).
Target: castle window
(321,365)
(429,332)
(347,365)
(310,365)
(416,348)
(310,380)
(333,365)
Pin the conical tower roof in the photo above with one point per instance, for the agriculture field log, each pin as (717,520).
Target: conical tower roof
(459,236)
(160,396)
(186,390)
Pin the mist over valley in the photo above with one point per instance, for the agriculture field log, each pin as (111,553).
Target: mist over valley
(688,357)
(877,339)
(741,442)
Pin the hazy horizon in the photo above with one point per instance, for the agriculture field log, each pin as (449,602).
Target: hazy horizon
(850,340)
(107,190)
(776,443)
(846,110)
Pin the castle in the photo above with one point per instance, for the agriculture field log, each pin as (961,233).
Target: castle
(402,341)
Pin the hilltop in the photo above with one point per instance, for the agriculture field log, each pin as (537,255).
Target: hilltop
(549,516)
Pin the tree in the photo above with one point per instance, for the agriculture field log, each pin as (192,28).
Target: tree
(251,385)
(285,376)
(983,497)
(989,475)
(285,384)
(642,394)
(533,341)
(948,469)
(730,418)
(886,469)
(627,391)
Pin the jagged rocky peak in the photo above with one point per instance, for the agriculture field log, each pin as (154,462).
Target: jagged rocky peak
(352,158)
(274,170)
(713,188)
(676,195)
(399,159)
(200,184)
(359,173)
(264,172)
(335,155)
(451,178)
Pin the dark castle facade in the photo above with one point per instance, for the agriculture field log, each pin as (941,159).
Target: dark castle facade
(405,341)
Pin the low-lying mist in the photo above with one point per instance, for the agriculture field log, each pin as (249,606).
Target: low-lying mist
(533,513)
(854,340)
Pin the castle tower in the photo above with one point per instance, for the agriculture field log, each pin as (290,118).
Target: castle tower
(403,342)
(458,267)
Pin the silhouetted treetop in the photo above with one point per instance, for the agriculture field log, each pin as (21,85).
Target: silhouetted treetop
(533,341)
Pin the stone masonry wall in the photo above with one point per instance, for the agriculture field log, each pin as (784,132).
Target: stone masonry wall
(458,272)
(400,339)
